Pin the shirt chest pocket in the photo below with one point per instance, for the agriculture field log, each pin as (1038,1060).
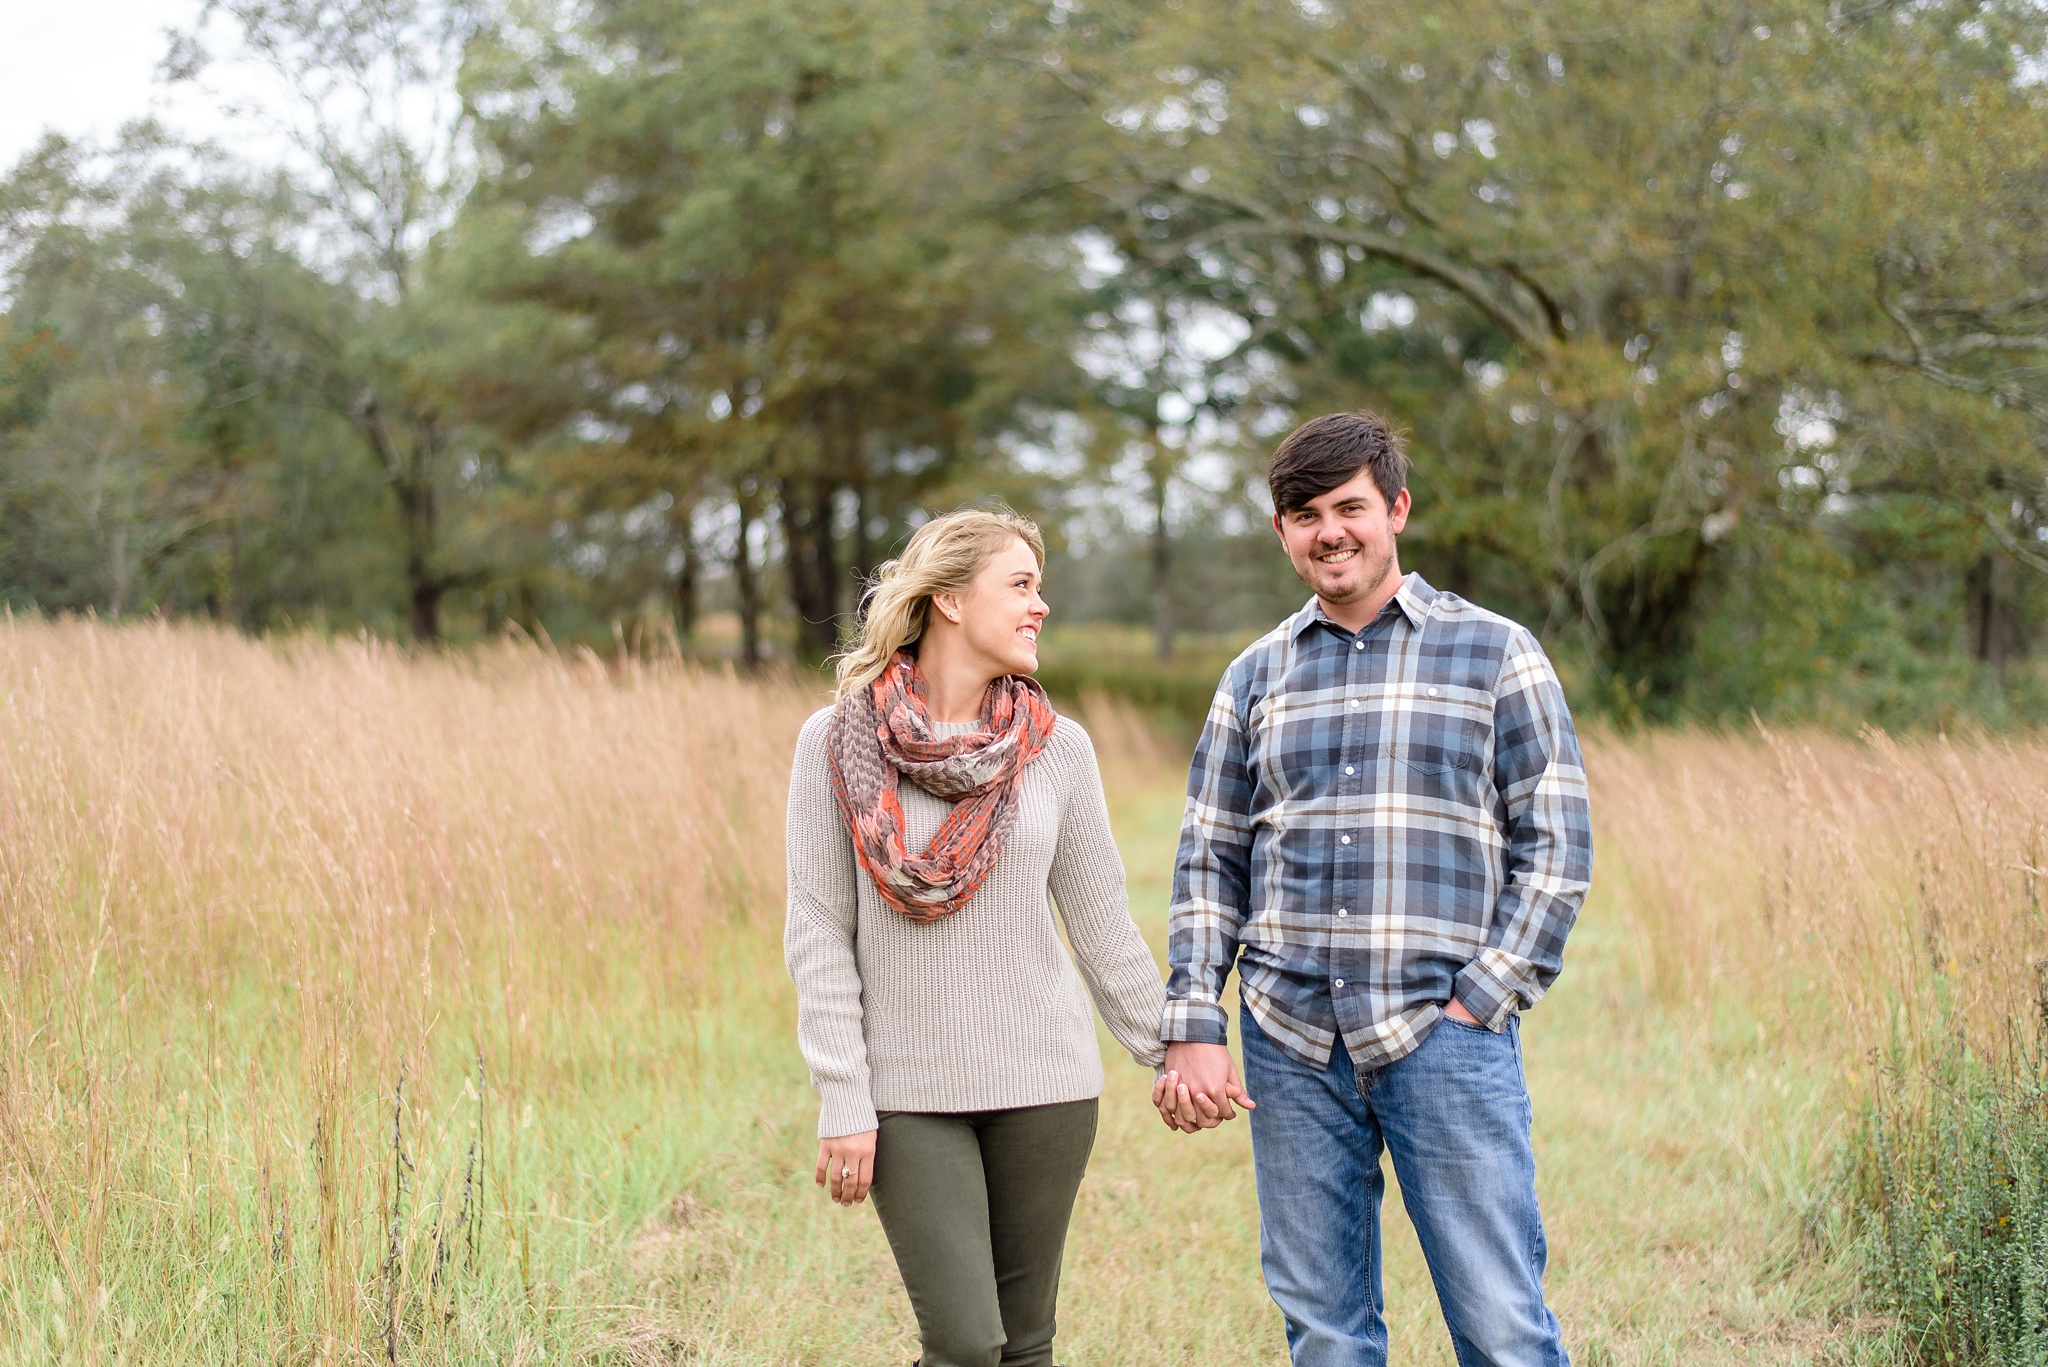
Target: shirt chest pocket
(1439,745)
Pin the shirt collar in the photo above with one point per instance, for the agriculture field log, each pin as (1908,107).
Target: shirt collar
(1415,597)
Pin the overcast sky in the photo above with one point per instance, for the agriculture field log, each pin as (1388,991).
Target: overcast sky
(86,66)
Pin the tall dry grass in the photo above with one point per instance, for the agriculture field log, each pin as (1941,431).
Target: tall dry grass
(1858,893)
(293,938)
(360,1006)
(1874,907)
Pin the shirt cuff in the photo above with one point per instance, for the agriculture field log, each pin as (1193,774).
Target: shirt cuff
(1194,1022)
(1490,1000)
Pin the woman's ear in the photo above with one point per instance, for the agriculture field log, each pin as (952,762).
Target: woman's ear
(947,605)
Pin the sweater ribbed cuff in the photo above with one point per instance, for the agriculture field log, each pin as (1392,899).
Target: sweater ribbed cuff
(845,1109)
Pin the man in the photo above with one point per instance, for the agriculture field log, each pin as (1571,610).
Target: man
(1387,821)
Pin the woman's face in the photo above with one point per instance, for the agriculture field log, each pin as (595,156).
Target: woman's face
(1000,613)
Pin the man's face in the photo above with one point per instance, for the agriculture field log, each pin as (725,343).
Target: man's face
(1342,544)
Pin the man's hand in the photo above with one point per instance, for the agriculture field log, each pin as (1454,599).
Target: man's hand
(847,1164)
(1457,1012)
(1197,1088)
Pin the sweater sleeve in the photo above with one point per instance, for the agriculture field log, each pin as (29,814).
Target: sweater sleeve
(818,939)
(1087,883)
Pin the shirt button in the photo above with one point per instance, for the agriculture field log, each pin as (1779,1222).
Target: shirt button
(1349,770)
(1340,982)
(1432,692)
(1359,646)
(1345,838)
(1342,912)
(1354,704)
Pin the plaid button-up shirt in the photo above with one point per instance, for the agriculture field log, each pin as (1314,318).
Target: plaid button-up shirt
(1377,822)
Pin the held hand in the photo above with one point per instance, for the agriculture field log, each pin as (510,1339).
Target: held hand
(1170,1097)
(1167,1091)
(847,1164)
(1198,1087)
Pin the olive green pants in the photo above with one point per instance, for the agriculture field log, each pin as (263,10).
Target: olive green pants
(975,1206)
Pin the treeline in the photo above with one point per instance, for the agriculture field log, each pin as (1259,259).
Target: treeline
(1721,331)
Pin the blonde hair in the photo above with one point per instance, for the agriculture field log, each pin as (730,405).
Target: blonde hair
(943,556)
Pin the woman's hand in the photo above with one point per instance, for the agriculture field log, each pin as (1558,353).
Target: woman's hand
(847,1165)
(1189,1107)
(1171,1099)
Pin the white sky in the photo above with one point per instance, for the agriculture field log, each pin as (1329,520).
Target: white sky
(84,67)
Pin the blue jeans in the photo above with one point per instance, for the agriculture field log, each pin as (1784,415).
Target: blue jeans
(1455,1116)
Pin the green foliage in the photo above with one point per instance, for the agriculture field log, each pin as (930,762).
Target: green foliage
(765,220)
(159,451)
(1718,334)
(1952,1169)
(1632,277)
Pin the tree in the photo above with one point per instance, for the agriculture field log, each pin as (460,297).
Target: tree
(1167,378)
(152,438)
(759,215)
(379,142)
(1594,254)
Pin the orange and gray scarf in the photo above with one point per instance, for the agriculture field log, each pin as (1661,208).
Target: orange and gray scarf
(884,731)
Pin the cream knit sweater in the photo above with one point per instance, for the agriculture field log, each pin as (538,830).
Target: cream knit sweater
(983,1010)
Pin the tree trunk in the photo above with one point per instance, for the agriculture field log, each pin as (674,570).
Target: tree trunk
(1162,554)
(410,473)
(807,526)
(426,611)
(1990,591)
(408,466)
(825,566)
(796,537)
(863,548)
(421,532)
(236,606)
(423,587)
(749,586)
(683,593)
(117,570)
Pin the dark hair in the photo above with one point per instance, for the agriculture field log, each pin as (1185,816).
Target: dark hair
(1326,452)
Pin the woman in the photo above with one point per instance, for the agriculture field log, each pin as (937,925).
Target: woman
(946,1029)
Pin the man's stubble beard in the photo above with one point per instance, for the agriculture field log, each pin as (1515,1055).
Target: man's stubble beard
(1376,562)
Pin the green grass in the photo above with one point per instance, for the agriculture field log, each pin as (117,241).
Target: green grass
(1952,1189)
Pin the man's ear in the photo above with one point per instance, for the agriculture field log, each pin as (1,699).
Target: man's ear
(1397,516)
(1279,531)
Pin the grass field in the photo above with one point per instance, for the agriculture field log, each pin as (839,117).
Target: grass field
(358,1008)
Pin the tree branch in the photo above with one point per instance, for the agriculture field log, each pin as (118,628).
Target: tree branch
(1261,222)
